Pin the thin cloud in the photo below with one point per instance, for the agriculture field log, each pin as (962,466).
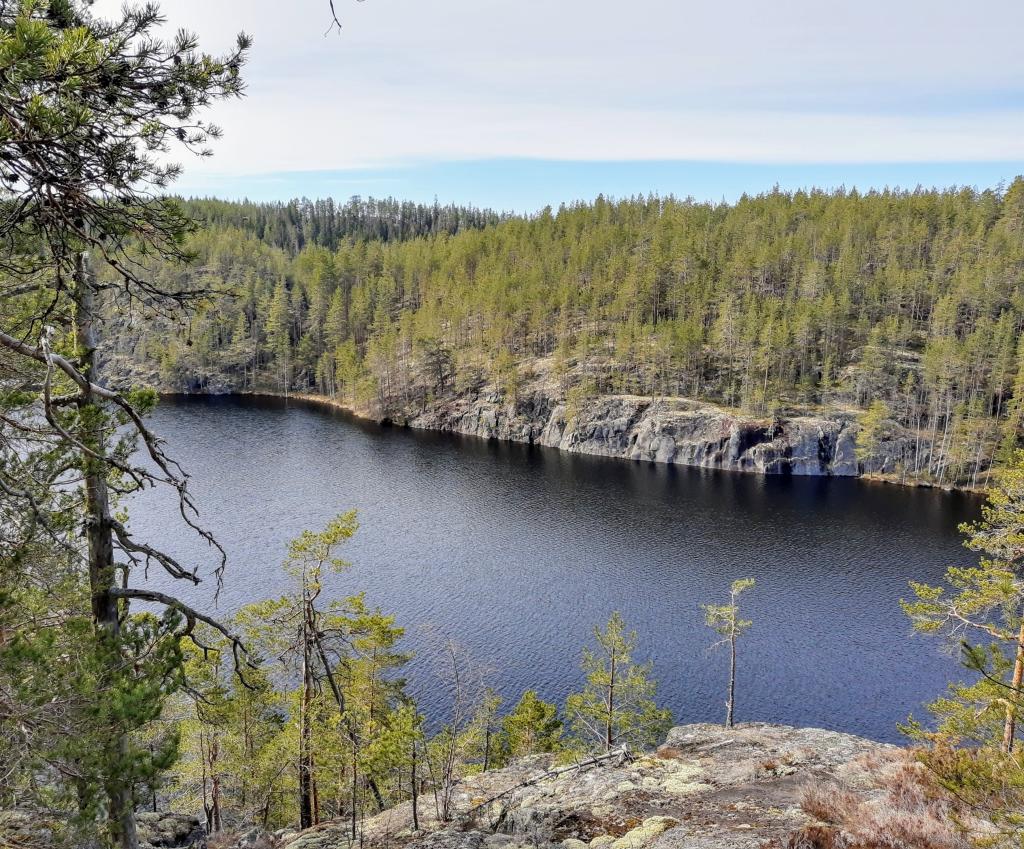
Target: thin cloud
(743,81)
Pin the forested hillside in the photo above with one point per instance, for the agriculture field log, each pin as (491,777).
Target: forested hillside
(906,305)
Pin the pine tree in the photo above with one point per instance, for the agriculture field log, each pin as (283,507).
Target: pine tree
(482,743)
(279,334)
(1013,425)
(373,696)
(974,749)
(351,728)
(725,621)
(987,603)
(292,628)
(616,706)
(874,426)
(533,727)
(92,108)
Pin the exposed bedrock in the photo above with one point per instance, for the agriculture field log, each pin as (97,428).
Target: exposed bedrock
(661,430)
(664,431)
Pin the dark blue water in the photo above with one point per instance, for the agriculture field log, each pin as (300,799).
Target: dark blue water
(517,552)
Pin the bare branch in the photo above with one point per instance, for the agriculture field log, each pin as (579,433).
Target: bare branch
(241,654)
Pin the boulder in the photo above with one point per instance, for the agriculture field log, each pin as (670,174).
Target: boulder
(164,830)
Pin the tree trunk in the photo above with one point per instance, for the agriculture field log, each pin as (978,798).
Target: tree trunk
(316,797)
(355,792)
(609,736)
(487,745)
(378,797)
(100,544)
(305,731)
(152,789)
(732,681)
(1010,727)
(415,792)
(339,698)
(215,798)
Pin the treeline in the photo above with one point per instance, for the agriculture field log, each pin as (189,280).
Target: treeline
(299,223)
(912,302)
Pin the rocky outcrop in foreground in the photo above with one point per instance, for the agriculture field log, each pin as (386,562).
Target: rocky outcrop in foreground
(756,786)
(706,788)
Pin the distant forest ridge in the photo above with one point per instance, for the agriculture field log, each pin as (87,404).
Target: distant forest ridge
(903,308)
(293,225)
(326,222)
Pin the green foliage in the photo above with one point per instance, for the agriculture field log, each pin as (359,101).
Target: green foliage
(90,111)
(62,742)
(616,706)
(304,225)
(482,744)
(985,601)
(989,783)
(312,551)
(724,619)
(345,727)
(576,399)
(873,428)
(233,752)
(974,747)
(533,727)
(911,299)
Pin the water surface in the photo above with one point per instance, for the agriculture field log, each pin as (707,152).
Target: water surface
(518,551)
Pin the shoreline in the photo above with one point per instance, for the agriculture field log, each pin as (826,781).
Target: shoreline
(363,415)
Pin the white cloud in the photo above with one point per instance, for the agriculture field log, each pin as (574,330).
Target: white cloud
(413,80)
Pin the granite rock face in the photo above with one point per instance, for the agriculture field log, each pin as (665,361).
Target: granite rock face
(707,787)
(659,430)
(680,431)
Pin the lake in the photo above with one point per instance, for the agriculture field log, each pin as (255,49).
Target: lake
(517,552)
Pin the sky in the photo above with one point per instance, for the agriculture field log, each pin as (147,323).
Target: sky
(517,104)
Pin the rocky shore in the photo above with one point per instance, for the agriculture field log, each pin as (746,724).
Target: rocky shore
(674,430)
(677,431)
(671,430)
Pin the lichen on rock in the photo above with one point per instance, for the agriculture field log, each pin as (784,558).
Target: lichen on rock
(707,787)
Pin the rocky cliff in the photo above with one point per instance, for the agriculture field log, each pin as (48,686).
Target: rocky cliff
(661,430)
(671,430)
